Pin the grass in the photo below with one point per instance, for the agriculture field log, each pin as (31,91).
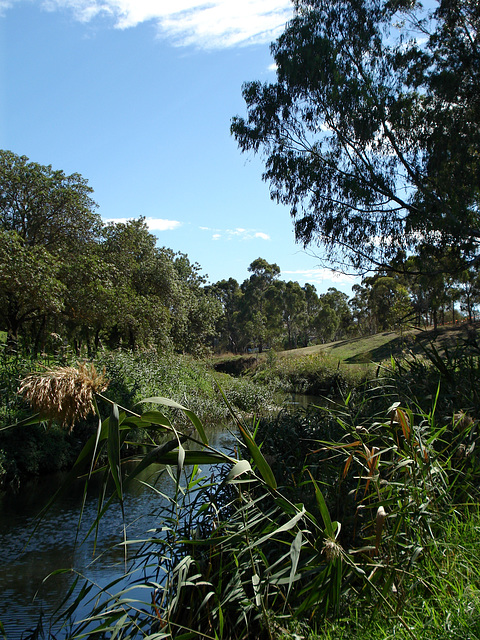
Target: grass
(352,520)
(371,349)
(353,349)
(36,449)
(450,607)
(355,520)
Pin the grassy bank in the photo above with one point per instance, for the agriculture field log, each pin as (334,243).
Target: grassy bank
(47,447)
(355,518)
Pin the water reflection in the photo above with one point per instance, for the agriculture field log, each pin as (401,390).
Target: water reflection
(57,543)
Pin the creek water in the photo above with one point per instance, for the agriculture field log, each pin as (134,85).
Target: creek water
(26,559)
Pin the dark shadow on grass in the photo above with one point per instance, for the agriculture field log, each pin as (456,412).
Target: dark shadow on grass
(444,337)
(394,347)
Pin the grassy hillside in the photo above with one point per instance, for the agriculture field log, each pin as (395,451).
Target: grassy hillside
(375,348)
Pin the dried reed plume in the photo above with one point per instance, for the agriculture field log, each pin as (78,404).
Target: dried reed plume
(332,549)
(64,394)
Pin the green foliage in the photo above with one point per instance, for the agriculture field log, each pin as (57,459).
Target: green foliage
(454,368)
(93,283)
(134,376)
(45,207)
(370,132)
(38,449)
(318,374)
(29,283)
(364,509)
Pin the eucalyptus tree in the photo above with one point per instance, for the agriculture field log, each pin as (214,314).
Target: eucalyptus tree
(338,302)
(380,303)
(311,307)
(228,329)
(371,132)
(260,315)
(294,312)
(468,292)
(326,322)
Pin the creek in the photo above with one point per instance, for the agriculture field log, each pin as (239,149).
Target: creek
(27,559)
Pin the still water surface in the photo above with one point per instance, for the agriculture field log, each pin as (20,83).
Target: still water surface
(26,560)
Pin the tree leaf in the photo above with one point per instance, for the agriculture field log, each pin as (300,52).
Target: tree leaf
(295,549)
(262,465)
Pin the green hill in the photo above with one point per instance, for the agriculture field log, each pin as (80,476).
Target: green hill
(380,346)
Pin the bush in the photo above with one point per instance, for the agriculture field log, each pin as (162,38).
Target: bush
(316,375)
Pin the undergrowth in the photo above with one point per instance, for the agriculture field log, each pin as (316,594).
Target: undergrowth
(317,374)
(357,518)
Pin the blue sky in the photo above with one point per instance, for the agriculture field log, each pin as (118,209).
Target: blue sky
(137,96)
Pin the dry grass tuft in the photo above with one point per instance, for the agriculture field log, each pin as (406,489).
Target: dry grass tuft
(332,549)
(64,394)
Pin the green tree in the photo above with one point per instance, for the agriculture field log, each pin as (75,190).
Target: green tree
(91,300)
(388,301)
(338,301)
(143,278)
(371,132)
(229,294)
(363,320)
(294,310)
(46,207)
(260,313)
(326,322)
(194,309)
(29,285)
(469,292)
(311,307)
(47,220)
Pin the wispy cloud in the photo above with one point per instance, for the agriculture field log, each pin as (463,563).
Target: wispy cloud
(153,224)
(320,275)
(208,25)
(236,234)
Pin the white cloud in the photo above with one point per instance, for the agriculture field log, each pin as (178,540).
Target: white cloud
(208,25)
(238,234)
(160,224)
(4,5)
(153,224)
(320,275)
(235,232)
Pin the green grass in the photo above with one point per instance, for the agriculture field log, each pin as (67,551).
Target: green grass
(449,610)
(369,349)
(354,520)
(354,349)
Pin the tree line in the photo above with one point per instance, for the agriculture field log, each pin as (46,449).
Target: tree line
(69,280)
(371,134)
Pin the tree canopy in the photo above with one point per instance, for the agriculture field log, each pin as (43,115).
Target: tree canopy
(69,283)
(44,206)
(371,132)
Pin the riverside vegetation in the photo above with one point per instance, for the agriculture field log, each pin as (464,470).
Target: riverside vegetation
(355,518)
